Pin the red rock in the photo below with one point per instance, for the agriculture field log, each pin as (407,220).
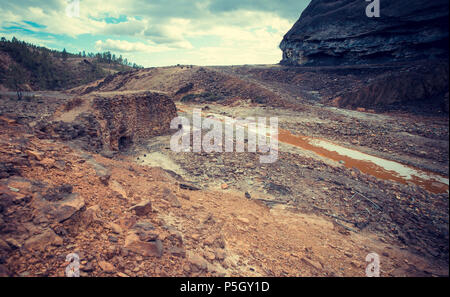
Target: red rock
(34,154)
(43,241)
(146,249)
(106,267)
(143,208)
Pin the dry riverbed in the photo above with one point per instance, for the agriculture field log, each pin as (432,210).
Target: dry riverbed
(406,213)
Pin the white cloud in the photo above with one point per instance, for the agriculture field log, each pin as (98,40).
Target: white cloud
(124,46)
(171,33)
(238,36)
(131,27)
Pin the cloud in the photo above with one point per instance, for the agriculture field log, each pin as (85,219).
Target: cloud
(286,8)
(124,46)
(200,31)
(172,33)
(131,27)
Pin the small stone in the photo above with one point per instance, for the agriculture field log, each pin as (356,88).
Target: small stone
(209,240)
(91,215)
(224,186)
(116,187)
(355,264)
(47,162)
(187,268)
(35,154)
(113,239)
(115,228)
(107,154)
(106,266)
(210,256)
(169,196)
(103,173)
(14,244)
(14,189)
(312,263)
(189,187)
(142,208)
(244,220)
(348,254)
(142,225)
(60,164)
(87,267)
(198,262)
(220,255)
(178,252)
(186,197)
(146,249)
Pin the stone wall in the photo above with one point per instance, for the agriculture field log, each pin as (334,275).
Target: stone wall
(104,122)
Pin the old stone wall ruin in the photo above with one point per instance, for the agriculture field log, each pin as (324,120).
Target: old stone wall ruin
(104,122)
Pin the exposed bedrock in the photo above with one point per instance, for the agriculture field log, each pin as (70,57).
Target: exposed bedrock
(338,32)
(418,84)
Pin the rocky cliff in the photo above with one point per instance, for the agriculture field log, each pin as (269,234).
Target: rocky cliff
(338,32)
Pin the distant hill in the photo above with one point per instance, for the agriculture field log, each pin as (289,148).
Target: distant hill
(26,67)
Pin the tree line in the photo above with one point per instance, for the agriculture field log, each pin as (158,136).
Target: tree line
(47,69)
(109,58)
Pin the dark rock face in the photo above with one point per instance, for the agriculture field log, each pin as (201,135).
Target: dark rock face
(338,32)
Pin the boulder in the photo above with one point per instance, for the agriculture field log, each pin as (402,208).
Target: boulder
(152,248)
(42,241)
(59,211)
(143,208)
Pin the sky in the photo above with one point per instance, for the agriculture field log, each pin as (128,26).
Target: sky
(157,32)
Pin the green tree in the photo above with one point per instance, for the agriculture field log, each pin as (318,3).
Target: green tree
(16,79)
(64,55)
